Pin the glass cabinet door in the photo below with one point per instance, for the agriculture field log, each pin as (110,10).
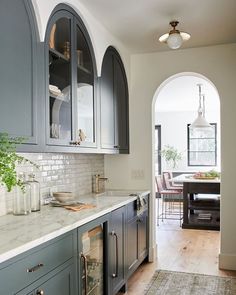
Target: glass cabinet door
(60,114)
(85,120)
(92,267)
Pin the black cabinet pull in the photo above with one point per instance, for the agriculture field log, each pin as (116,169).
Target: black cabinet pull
(83,257)
(115,275)
(35,268)
(75,143)
(116,146)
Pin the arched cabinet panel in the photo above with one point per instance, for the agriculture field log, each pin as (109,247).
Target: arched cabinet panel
(114,104)
(18,70)
(70,82)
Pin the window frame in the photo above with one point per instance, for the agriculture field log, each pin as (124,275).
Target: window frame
(189,151)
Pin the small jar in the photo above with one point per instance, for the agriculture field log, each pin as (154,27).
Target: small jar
(21,202)
(35,193)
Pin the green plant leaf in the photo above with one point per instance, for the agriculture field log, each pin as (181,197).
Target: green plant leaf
(9,160)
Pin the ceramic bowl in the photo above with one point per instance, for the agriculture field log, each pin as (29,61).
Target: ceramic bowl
(63,197)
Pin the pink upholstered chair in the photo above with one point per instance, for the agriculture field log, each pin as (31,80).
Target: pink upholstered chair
(167,176)
(171,202)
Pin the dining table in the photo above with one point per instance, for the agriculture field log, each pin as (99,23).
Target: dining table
(201,201)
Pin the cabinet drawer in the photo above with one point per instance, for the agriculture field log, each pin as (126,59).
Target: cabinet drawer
(30,266)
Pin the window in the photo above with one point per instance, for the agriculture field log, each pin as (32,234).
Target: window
(202,146)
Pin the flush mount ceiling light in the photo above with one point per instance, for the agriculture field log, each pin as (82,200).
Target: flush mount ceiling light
(174,38)
(200,121)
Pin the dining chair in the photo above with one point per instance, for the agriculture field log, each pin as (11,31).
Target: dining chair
(175,185)
(171,202)
(167,176)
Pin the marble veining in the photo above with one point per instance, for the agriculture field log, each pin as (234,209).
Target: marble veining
(21,233)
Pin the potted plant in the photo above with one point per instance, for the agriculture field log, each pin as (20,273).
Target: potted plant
(171,155)
(9,160)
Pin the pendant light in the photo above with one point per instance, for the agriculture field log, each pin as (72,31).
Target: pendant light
(200,121)
(174,38)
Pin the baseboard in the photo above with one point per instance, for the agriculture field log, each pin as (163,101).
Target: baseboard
(152,253)
(227,261)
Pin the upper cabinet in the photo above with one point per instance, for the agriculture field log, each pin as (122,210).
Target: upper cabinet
(19,70)
(114,104)
(70,83)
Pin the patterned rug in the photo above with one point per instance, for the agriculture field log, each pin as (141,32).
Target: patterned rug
(180,283)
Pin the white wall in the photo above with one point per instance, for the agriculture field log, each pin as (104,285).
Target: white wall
(148,72)
(174,133)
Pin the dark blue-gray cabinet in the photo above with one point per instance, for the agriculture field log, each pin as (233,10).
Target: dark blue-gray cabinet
(19,72)
(114,104)
(46,269)
(70,82)
(116,240)
(59,283)
(92,257)
(136,235)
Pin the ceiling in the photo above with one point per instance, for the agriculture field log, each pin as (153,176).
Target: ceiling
(182,94)
(139,23)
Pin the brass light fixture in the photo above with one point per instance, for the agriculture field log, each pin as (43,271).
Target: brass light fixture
(174,38)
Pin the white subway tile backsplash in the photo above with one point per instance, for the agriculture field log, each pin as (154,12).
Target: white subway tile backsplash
(69,172)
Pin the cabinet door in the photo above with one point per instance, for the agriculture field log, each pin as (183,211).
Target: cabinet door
(62,283)
(142,235)
(132,245)
(114,103)
(85,103)
(18,71)
(59,84)
(107,102)
(116,250)
(92,257)
(121,106)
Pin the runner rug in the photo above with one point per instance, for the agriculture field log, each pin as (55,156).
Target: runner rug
(180,283)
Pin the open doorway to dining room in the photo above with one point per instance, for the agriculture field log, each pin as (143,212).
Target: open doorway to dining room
(183,151)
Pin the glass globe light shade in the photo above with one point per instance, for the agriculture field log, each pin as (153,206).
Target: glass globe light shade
(174,41)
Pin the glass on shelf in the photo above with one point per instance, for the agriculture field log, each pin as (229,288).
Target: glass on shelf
(84,59)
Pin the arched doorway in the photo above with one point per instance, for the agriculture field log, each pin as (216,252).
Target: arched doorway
(187,103)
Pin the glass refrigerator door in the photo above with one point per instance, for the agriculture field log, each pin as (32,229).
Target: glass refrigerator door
(92,261)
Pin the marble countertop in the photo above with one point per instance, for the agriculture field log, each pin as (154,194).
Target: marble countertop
(21,233)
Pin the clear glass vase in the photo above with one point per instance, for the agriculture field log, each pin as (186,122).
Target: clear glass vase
(21,201)
(35,193)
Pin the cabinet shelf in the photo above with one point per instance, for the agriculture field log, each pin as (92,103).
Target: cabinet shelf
(201,200)
(210,205)
(211,224)
(57,55)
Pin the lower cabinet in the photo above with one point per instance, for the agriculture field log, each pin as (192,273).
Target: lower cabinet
(137,237)
(62,283)
(38,267)
(116,242)
(96,258)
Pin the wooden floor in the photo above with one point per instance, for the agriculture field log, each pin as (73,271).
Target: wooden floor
(186,250)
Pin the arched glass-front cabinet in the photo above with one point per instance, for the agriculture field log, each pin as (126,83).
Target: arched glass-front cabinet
(70,84)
